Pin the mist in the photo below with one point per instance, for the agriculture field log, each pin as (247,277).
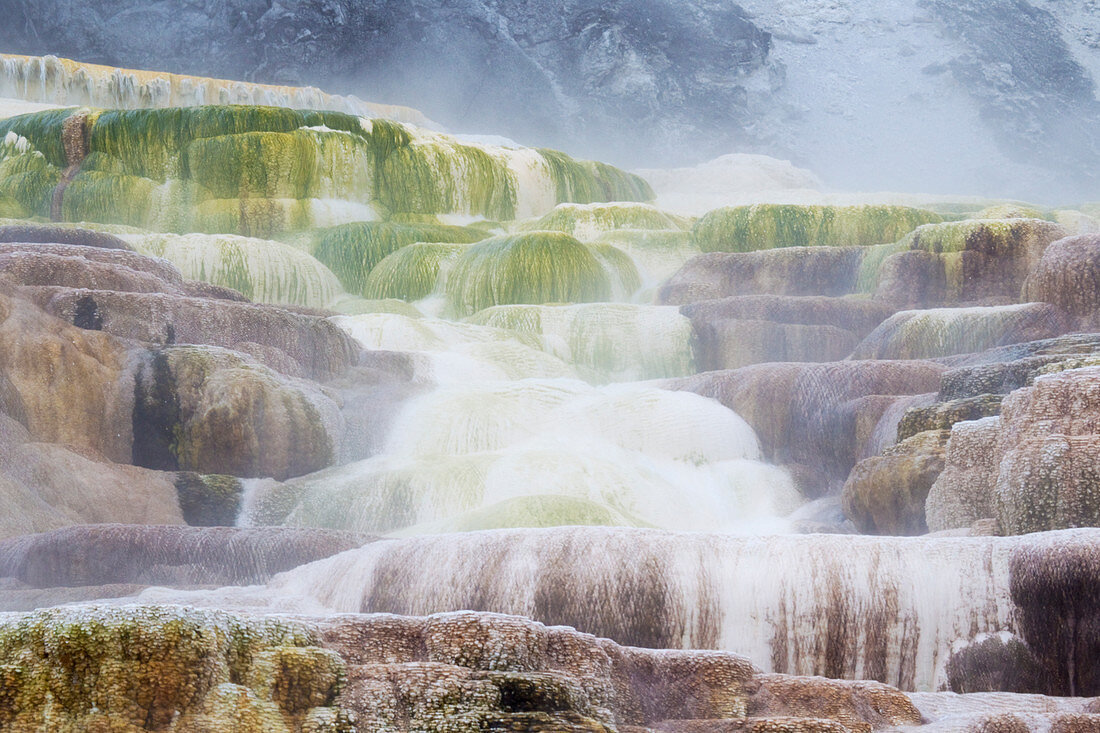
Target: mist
(549,365)
(992,98)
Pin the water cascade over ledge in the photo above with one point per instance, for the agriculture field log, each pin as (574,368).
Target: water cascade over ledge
(316,418)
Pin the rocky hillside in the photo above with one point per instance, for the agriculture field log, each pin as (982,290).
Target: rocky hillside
(985,96)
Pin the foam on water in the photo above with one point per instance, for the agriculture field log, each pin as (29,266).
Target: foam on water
(455,352)
(552,452)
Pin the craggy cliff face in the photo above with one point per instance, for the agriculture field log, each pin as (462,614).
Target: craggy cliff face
(993,96)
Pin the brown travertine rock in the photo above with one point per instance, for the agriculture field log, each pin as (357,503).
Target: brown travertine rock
(1048,477)
(963,492)
(995,663)
(940,332)
(1007,368)
(1055,584)
(199,289)
(317,345)
(809,413)
(103,554)
(1075,723)
(220,672)
(755,725)
(156,270)
(737,331)
(102,668)
(46,234)
(943,415)
(209,410)
(675,684)
(31,269)
(886,494)
(859,706)
(1068,276)
(832,271)
(523,667)
(1003,723)
(65,487)
(973,261)
(1033,469)
(67,384)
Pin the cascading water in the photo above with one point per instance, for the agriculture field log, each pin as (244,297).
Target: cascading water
(409,385)
(544,453)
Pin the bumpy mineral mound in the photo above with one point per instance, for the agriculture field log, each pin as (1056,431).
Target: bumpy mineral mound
(148,668)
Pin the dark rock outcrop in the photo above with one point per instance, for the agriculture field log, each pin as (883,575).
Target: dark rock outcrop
(1056,586)
(886,494)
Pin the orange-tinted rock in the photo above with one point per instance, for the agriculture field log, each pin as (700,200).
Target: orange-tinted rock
(67,384)
(856,705)
(208,410)
(48,485)
(320,348)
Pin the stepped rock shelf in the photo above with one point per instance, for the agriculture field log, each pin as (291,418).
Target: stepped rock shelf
(319,420)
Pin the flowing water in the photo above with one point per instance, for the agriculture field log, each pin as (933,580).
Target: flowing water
(415,373)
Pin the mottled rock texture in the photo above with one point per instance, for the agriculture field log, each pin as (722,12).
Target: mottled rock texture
(975,261)
(995,663)
(176,668)
(1032,468)
(962,494)
(1068,275)
(1056,585)
(168,668)
(939,332)
(832,271)
(886,494)
(319,348)
(212,411)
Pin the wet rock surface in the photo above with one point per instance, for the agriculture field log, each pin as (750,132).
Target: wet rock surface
(445,672)
(105,554)
(170,441)
(810,414)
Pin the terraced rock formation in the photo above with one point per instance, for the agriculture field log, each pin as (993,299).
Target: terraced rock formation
(847,449)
